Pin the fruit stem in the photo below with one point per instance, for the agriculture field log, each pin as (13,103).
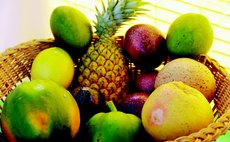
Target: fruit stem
(111,106)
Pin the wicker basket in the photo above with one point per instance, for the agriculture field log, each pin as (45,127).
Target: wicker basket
(15,64)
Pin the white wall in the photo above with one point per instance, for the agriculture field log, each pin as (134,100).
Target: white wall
(23,20)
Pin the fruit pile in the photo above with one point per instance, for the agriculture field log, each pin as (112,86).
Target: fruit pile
(81,90)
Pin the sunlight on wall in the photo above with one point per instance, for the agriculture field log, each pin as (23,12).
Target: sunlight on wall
(31,20)
(164,12)
(22,21)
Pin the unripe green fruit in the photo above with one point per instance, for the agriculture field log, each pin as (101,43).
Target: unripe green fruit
(114,126)
(38,111)
(190,35)
(71,27)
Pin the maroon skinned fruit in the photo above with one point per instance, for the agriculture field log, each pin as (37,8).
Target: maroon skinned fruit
(145,45)
(133,103)
(146,82)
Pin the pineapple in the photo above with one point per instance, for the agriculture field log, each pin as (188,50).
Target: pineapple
(103,67)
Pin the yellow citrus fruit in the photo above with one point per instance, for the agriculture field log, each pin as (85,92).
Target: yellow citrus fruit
(40,110)
(189,35)
(54,64)
(175,109)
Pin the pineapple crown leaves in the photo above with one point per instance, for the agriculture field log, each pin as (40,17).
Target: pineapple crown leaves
(116,13)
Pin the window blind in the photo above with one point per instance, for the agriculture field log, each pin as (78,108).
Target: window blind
(163,12)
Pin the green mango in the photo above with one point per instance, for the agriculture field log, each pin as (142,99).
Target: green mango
(189,35)
(71,27)
(113,126)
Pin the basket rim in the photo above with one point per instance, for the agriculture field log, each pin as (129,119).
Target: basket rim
(211,132)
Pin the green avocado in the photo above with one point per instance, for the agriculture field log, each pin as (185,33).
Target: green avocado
(114,126)
(71,27)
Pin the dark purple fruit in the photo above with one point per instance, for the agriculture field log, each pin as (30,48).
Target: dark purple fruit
(87,101)
(133,103)
(83,97)
(145,82)
(145,45)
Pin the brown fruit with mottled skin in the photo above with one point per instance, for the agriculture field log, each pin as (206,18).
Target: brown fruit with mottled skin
(145,45)
(190,72)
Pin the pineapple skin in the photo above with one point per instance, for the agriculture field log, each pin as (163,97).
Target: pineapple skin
(103,69)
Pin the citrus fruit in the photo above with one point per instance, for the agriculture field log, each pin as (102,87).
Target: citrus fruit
(190,72)
(190,34)
(40,110)
(71,27)
(175,109)
(55,64)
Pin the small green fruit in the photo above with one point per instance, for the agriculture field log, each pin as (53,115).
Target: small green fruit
(71,27)
(113,126)
(190,35)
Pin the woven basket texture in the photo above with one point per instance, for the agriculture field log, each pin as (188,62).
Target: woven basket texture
(15,64)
